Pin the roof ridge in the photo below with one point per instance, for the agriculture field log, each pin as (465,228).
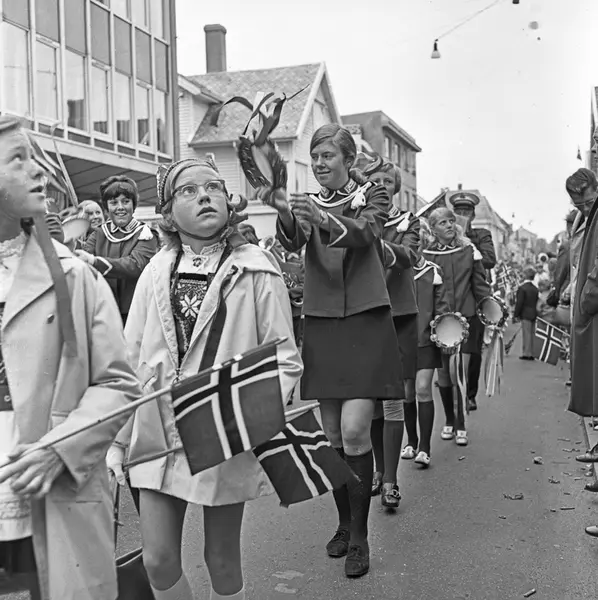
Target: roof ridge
(312,64)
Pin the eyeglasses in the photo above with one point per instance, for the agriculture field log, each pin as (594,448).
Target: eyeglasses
(190,191)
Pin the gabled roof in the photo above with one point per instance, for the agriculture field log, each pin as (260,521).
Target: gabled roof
(287,80)
(196,89)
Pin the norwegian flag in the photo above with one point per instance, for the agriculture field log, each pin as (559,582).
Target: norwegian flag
(229,409)
(502,280)
(301,463)
(549,342)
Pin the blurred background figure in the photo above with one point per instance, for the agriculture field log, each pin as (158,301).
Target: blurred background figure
(248,232)
(526,311)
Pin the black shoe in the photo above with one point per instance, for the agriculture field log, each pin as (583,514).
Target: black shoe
(338,546)
(357,563)
(376,484)
(591,530)
(390,496)
(592,487)
(472,404)
(591,456)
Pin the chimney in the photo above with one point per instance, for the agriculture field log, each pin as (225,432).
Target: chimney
(215,48)
(459,186)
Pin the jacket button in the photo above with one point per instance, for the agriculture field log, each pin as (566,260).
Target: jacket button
(50,318)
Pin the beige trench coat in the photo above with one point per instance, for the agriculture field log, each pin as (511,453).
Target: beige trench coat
(53,394)
(257,310)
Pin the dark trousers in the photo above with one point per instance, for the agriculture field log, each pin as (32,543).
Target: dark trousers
(528,331)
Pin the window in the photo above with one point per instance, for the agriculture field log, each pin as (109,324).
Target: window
(142,113)
(122,40)
(143,52)
(75,91)
(157,8)
(16,11)
(46,19)
(74,14)
(15,76)
(122,107)
(121,7)
(100,34)
(388,148)
(161,116)
(139,12)
(46,79)
(161,66)
(398,154)
(99,99)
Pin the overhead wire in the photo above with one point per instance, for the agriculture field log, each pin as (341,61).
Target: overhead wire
(470,18)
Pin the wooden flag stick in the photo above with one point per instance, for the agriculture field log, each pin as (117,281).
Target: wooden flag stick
(301,409)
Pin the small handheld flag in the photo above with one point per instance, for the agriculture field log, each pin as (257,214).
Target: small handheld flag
(231,409)
(549,342)
(301,463)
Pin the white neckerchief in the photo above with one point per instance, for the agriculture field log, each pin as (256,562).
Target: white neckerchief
(203,262)
(352,192)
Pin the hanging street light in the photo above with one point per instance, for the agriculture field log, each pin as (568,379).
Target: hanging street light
(435,52)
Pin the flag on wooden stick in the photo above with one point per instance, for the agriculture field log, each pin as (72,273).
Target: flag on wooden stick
(231,409)
(301,463)
(549,342)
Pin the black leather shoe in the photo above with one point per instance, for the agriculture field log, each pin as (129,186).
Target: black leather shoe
(592,530)
(338,546)
(357,563)
(472,404)
(591,456)
(592,487)
(390,496)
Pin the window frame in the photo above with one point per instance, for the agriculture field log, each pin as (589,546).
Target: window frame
(30,78)
(131,144)
(109,135)
(86,85)
(150,89)
(38,118)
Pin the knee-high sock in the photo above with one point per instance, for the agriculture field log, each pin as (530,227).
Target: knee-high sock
(341,498)
(181,590)
(410,409)
(425,413)
(446,394)
(360,495)
(460,410)
(377,435)
(393,440)
(240,595)
(473,375)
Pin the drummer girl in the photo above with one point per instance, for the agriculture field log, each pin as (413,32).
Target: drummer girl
(465,281)
(432,301)
(350,349)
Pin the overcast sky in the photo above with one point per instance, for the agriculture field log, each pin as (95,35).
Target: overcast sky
(503,110)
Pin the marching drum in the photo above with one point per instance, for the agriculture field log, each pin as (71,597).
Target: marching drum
(449,331)
(492,312)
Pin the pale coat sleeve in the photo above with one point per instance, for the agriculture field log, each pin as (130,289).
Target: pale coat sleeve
(273,315)
(112,384)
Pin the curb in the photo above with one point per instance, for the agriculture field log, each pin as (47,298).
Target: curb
(591,438)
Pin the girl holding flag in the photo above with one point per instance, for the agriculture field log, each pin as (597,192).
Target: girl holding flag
(207,296)
(349,346)
(465,282)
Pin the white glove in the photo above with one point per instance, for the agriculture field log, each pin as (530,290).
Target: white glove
(114,461)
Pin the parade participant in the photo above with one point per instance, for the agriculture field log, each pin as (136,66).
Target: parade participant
(350,348)
(431,301)
(120,248)
(248,232)
(526,310)
(401,242)
(465,282)
(92,211)
(206,296)
(62,364)
(464,204)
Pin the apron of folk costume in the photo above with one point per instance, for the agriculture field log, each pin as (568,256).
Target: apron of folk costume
(15,513)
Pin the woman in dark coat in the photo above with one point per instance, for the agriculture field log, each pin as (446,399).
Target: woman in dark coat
(350,349)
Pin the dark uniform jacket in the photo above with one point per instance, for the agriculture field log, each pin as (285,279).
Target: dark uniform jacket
(482,240)
(584,344)
(431,299)
(527,302)
(400,242)
(344,274)
(122,263)
(463,276)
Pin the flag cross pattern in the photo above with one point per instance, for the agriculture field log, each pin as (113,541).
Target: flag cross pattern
(300,445)
(546,333)
(221,395)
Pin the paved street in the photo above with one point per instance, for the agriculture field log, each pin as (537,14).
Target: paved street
(455,536)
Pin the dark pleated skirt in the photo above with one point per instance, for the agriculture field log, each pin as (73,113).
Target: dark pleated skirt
(429,357)
(351,357)
(407,334)
(17,556)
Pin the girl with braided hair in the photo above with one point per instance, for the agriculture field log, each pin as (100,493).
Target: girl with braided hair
(206,296)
